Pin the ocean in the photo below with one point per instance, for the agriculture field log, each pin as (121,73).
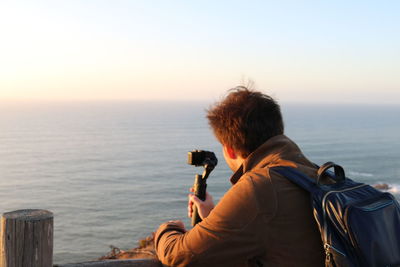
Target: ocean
(111,172)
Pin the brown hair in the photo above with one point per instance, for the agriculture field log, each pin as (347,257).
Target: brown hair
(245,119)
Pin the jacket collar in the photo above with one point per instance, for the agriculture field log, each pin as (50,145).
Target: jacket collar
(276,151)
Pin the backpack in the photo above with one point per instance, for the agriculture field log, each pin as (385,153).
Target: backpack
(359,225)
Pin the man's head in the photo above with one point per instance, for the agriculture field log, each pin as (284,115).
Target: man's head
(245,119)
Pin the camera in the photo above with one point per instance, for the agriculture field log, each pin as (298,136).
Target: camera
(202,158)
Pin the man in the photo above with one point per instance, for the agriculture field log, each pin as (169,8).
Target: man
(263,220)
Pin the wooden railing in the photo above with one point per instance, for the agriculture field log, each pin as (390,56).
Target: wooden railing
(26,239)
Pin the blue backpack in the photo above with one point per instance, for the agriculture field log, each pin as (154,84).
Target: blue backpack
(359,225)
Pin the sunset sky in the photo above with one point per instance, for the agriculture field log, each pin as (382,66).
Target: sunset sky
(304,51)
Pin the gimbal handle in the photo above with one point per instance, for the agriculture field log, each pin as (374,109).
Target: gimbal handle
(199,187)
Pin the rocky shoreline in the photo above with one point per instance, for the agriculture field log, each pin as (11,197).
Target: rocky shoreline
(144,250)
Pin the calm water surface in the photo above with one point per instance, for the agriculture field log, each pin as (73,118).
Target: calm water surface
(111,172)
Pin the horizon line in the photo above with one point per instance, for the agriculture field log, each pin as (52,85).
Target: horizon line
(205,101)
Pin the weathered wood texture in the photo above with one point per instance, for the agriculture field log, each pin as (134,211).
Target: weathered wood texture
(26,239)
(116,263)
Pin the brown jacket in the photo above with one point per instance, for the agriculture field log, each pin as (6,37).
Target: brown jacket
(263,220)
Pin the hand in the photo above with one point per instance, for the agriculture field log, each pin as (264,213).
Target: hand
(177,223)
(203,207)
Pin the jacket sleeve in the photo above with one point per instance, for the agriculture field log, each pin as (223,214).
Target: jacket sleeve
(227,237)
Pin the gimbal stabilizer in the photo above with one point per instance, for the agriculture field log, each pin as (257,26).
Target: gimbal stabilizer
(208,160)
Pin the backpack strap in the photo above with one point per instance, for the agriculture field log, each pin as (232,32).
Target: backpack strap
(296,177)
(338,172)
(306,182)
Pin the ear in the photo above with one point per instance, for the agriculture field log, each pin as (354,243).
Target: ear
(230,152)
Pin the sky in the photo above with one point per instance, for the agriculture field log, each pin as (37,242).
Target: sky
(297,51)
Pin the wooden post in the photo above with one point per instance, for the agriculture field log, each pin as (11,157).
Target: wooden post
(26,239)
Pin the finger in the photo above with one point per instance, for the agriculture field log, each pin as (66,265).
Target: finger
(191,189)
(189,200)
(190,209)
(190,206)
(196,200)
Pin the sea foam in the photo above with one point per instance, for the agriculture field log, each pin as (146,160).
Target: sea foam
(360,174)
(394,189)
